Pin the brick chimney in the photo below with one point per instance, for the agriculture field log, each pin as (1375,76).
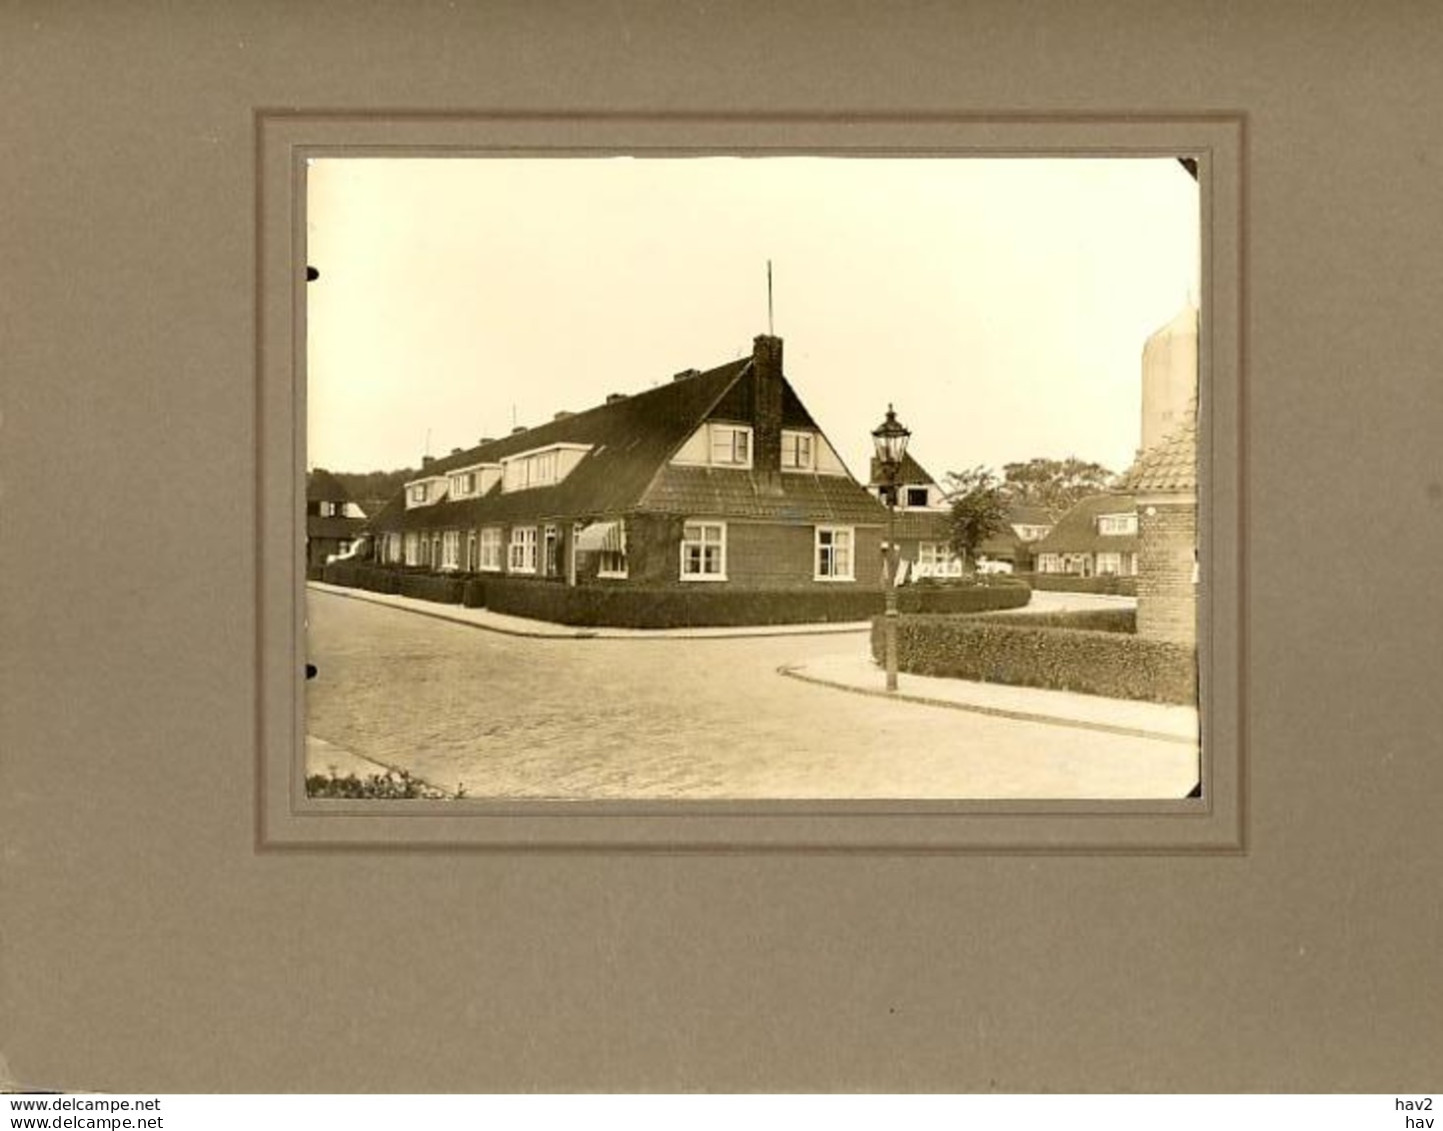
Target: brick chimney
(767,413)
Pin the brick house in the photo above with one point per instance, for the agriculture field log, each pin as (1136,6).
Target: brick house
(721,478)
(1164,482)
(333,521)
(1097,537)
(921,524)
(923,529)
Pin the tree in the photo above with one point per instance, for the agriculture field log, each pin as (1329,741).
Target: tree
(373,489)
(1056,485)
(979,510)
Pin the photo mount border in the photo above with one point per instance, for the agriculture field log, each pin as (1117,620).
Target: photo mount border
(1216,824)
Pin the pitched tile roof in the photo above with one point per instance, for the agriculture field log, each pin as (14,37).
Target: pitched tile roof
(1076,532)
(631,441)
(1169,466)
(911,472)
(803,497)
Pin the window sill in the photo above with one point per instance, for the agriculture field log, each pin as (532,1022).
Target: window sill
(703,577)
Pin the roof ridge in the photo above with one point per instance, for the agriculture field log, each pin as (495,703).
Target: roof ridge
(445,464)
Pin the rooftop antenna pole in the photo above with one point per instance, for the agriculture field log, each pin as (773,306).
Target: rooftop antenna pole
(428,441)
(770,332)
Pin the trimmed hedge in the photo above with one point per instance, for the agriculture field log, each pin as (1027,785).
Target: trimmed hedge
(1108,584)
(669,606)
(445,590)
(675,606)
(356,575)
(991,649)
(1097,620)
(962,598)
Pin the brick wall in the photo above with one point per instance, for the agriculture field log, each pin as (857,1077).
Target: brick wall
(1166,594)
(759,556)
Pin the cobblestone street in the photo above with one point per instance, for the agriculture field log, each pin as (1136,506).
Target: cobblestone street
(678,718)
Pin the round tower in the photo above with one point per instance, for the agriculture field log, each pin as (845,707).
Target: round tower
(1169,376)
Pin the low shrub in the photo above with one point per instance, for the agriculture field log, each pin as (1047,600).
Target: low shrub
(1107,584)
(473,593)
(994,650)
(1096,620)
(390,786)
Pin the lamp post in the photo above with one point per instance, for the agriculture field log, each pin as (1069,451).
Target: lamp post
(890,439)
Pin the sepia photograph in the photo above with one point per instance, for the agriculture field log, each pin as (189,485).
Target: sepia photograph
(699,478)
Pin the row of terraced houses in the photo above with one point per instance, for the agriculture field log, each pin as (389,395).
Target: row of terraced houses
(723,478)
(714,478)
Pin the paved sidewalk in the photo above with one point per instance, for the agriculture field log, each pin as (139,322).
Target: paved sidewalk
(520,626)
(856,671)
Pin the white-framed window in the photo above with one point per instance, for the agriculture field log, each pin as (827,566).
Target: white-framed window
(833,559)
(915,497)
(412,551)
(704,551)
(1108,562)
(1031,533)
(1117,524)
(522,558)
(798,451)
(491,549)
(936,559)
(1048,563)
(731,445)
(451,550)
(541,468)
(463,483)
(419,492)
(612,562)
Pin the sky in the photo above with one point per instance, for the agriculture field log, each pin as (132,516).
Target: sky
(1000,304)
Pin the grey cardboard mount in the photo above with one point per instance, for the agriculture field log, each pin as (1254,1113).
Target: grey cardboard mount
(169,925)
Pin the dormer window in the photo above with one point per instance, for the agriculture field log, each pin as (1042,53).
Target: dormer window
(419,492)
(731,445)
(541,468)
(1117,524)
(798,451)
(462,484)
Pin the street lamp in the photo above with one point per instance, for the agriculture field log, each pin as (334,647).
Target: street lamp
(890,439)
